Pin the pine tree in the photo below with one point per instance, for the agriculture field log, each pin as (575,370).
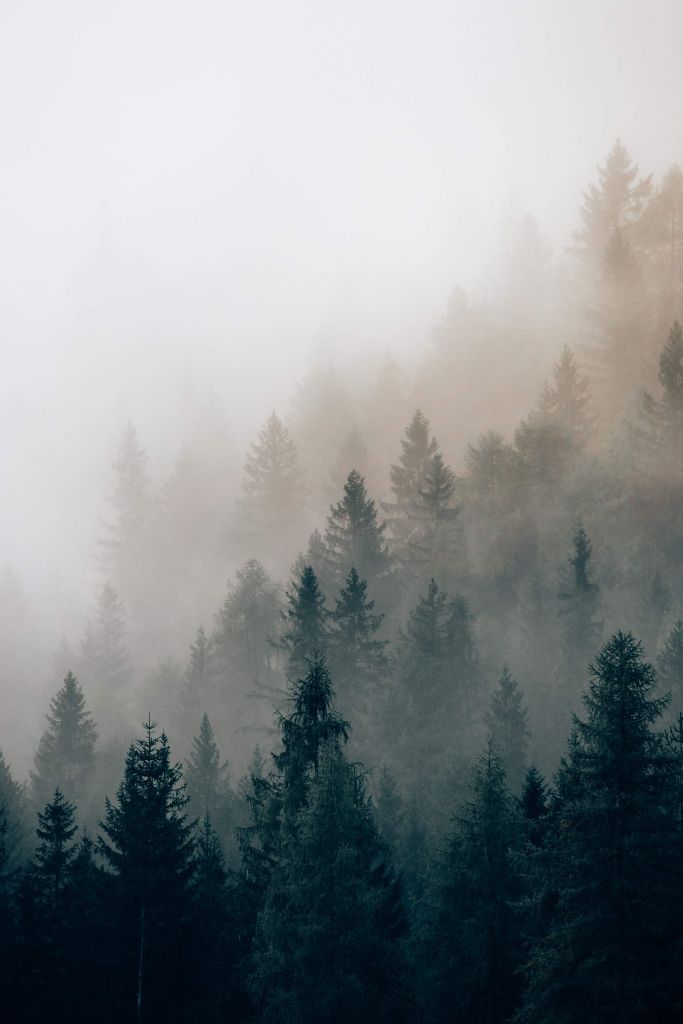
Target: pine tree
(208,784)
(148,847)
(354,537)
(66,754)
(131,505)
(430,700)
(105,661)
(304,622)
(199,675)
(357,657)
(15,825)
(491,465)
(610,951)
(436,541)
(273,486)
(327,943)
(579,604)
(389,812)
(565,401)
(507,722)
(615,203)
(661,231)
(417,450)
(620,323)
(471,954)
(665,416)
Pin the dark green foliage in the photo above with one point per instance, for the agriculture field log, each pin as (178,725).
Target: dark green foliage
(305,622)
(471,948)
(208,786)
(357,658)
(66,753)
(507,722)
(148,847)
(611,949)
(535,805)
(15,824)
(327,941)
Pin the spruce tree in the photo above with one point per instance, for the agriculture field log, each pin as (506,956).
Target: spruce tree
(507,722)
(535,805)
(417,449)
(304,622)
(354,537)
(199,675)
(579,607)
(66,754)
(472,946)
(148,847)
(357,658)
(328,939)
(15,824)
(208,784)
(273,486)
(491,465)
(105,661)
(436,540)
(611,948)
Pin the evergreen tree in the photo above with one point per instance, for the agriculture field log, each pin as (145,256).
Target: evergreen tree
(620,326)
(615,203)
(304,622)
(389,812)
(242,639)
(354,536)
(436,541)
(471,953)
(15,826)
(208,784)
(199,675)
(507,722)
(661,231)
(105,660)
(611,950)
(579,604)
(430,700)
(664,417)
(491,465)
(327,943)
(417,450)
(357,657)
(66,753)
(148,847)
(273,486)
(565,401)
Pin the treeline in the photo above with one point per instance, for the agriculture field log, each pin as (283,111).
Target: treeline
(410,850)
(539,903)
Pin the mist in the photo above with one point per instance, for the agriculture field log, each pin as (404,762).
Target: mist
(291,292)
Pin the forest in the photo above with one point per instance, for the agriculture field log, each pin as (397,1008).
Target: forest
(383,721)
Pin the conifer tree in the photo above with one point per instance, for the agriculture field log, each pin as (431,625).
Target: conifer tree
(507,722)
(357,657)
(611,948)
(661,232)
(616,202)
(430,701)
(436,540)
(472,948)
(208,784)
(304,622)
(105,661)
(199,675)
(389,812)
(66,753)
(327,942)
(241,642)
(579,604)
(491,465)
(15,825)
(148,846)
(417,449)
(665,416)
(354,537)
(273,486)
(535,805)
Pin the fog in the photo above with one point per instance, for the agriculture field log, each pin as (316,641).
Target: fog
(220,194)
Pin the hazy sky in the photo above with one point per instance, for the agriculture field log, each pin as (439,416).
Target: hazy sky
(214,189)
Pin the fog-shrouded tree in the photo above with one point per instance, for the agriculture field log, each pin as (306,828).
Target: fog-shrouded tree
(472,949)
(147,844)
(358,658)
(565,399)
(664,416)
(507,723)
(66,753)
(670,666)
(611,949)
(305,622)
(328,938)
(105,661)
(273,489)
(491,464)
(435,544)
(208,786)
(579,614)
(615,203)
(13,805)
(407,476)
(535,805)
(354,536)
(661,234)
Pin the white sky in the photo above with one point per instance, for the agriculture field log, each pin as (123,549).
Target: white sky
(216,188)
